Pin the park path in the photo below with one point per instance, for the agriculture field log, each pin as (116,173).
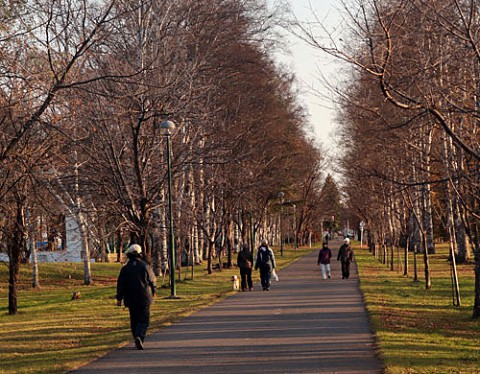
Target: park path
(303,325)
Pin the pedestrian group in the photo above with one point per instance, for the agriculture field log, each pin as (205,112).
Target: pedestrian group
(345,256)
(136,284)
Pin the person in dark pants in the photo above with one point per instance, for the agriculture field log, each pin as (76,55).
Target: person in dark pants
(136,287)
(266,263)
(245,263)
(345,255)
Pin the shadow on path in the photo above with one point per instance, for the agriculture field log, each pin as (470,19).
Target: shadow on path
(303,325)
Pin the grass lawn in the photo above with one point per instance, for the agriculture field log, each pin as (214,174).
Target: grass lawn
(419,330)
(53,334)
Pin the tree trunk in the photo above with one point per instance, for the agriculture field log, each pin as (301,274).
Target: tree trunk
(156,244)
(384,250)
(82,225)
(229,234)
(178,253)
(476,303)
(476,244)
(201,244)
(103,244)
(415,263)
(392,257)
(13,270)
(236,235)
(406,263)
(427,197)
(193,248)
(209,256)
(33,250)
(454,222)
(197,256)
(426,262)
(455,285)
(163,234)
(463,251)
(220,257)
(450,226)
(16,246)
(32,224)
(119,245)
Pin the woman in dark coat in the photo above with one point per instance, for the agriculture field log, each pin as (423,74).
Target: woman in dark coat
(345,255)
(136,287)
(245,263)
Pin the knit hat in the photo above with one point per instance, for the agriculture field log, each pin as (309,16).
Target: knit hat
(134,248)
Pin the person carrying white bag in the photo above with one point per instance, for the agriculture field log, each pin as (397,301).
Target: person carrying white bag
(266,263)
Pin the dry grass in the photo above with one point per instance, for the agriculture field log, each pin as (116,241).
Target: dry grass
(419,330)
(52,333)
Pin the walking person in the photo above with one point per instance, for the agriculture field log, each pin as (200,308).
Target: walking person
(266,263)
(245,263)
(345,255)
(324,257)
(136,287)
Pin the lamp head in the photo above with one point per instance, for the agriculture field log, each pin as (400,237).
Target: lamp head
(167,127)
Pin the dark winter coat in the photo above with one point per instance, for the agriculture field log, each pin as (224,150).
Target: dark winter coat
(324,256)
(245,259)
(136,284)
(265,257)
(345,253)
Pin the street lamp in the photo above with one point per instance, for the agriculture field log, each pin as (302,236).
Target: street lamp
(295,225)
(281,196)
(166,129)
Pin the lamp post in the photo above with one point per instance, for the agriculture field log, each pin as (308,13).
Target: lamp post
(295,225)
(281,196)
(166,129)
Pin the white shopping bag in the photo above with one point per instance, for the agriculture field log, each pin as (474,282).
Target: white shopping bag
(274,275)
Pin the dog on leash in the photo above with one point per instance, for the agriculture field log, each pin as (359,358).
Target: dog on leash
(235,283)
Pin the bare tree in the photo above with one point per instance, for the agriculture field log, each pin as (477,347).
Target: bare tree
(415,57)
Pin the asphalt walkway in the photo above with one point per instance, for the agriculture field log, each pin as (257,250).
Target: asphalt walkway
(303,325)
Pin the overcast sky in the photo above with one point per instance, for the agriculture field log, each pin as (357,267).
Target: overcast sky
(309,66)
